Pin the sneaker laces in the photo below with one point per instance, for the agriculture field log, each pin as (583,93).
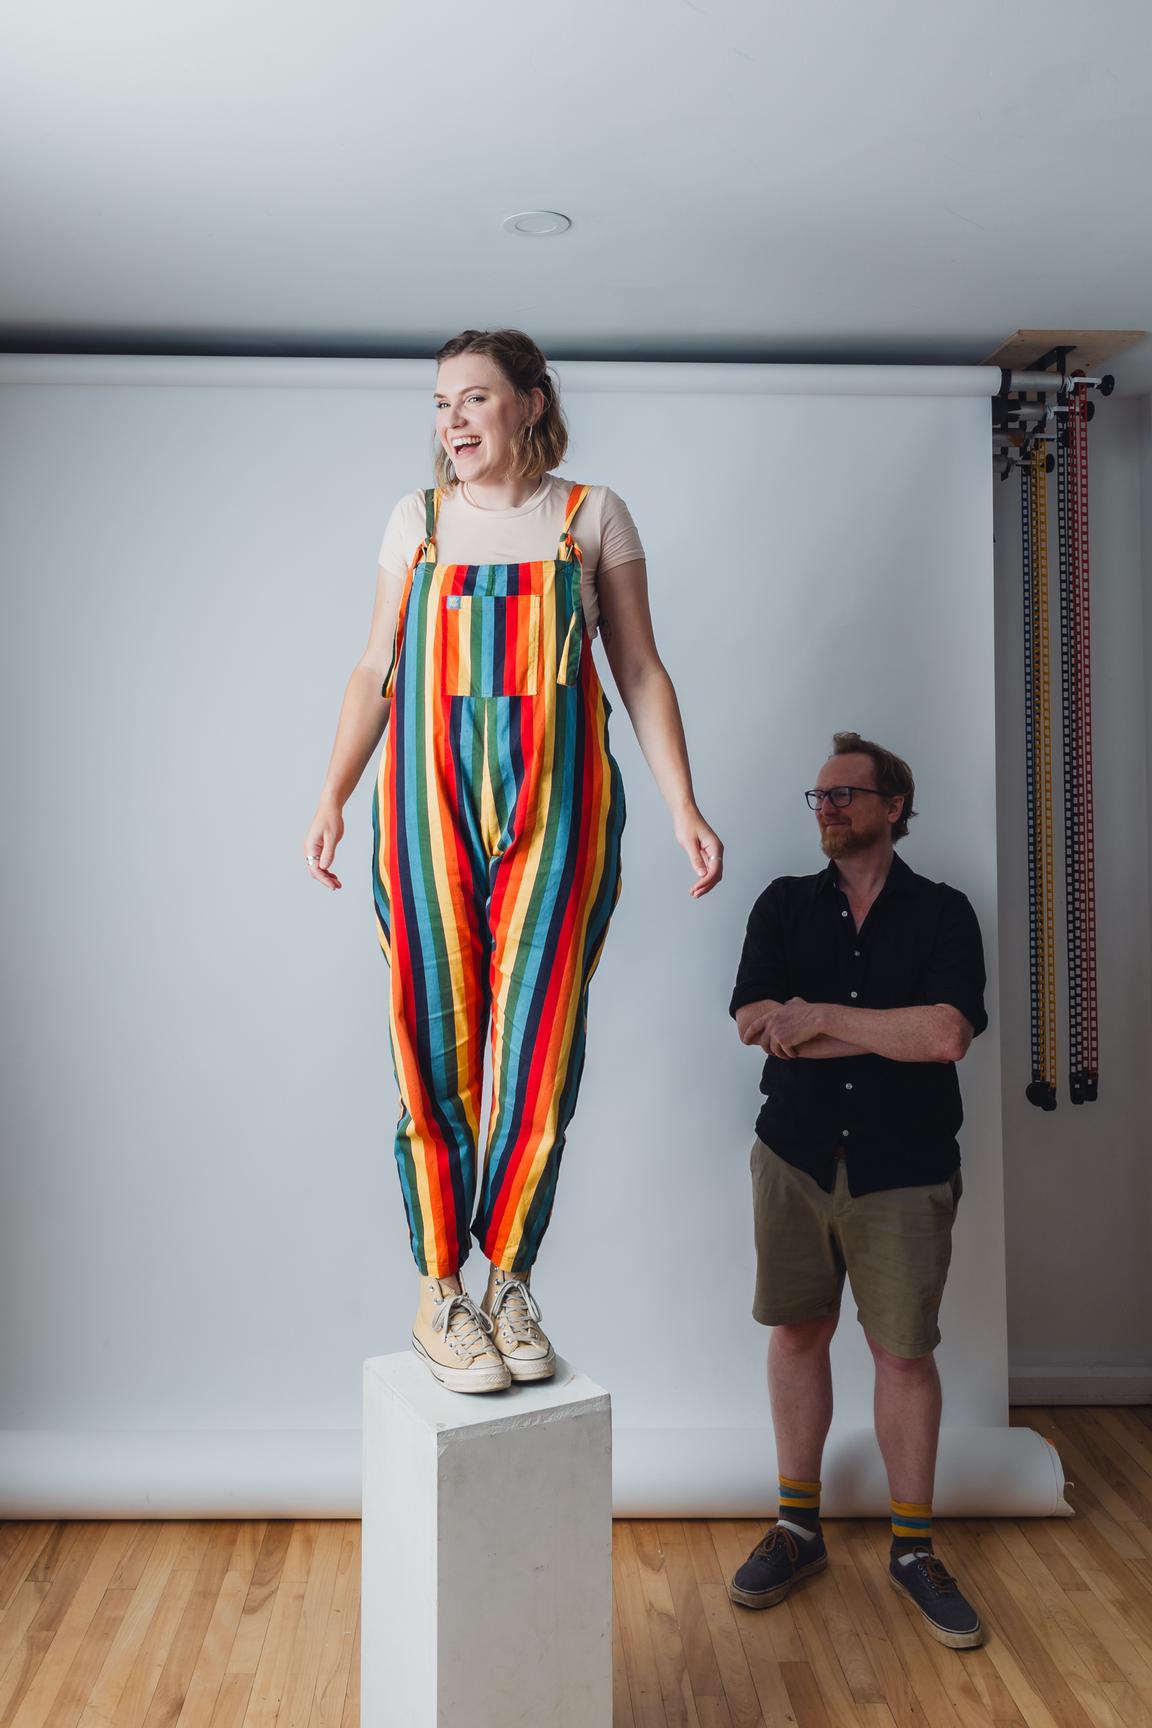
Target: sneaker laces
(465,1326)
(937,1574)
(516,1309)
(764,1549)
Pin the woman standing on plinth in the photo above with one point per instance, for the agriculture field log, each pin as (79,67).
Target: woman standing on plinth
(497,820)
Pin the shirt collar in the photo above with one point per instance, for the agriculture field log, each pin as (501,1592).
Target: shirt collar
(900,879)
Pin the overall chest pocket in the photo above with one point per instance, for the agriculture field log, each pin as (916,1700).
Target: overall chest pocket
(491,644)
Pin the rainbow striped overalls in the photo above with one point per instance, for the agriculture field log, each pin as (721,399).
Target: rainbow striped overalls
(496,824)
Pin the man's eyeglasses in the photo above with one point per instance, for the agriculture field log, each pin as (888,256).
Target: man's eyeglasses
(840,796)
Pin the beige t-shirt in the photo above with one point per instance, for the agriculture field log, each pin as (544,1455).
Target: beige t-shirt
(467,534)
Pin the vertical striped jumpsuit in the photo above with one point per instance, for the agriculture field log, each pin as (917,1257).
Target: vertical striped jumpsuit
(496,820)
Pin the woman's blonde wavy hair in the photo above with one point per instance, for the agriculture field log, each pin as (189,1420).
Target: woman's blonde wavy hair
(535,449)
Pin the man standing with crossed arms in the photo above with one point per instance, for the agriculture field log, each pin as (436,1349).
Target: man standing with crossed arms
(864,985)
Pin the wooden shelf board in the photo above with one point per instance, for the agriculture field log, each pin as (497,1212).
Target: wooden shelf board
(1091,348)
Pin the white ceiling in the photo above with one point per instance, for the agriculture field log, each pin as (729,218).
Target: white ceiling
(832,179)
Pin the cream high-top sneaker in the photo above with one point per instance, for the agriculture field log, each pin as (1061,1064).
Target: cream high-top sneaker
(454,1339)
(515,1319)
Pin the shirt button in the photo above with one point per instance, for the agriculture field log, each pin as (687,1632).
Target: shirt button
(847,1085)
(843,914)
(854,995)
(844,1132)
(856,951)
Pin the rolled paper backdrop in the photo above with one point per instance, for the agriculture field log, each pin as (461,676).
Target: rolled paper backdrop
(731,1473)
(685,1473)
(202,1162)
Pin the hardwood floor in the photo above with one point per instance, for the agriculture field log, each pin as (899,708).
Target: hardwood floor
(256,1625)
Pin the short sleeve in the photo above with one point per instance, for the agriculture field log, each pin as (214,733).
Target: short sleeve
(619,539)
(956,974)
(403,535)
(762,972)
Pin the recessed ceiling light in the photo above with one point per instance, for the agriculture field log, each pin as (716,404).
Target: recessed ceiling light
(537,223)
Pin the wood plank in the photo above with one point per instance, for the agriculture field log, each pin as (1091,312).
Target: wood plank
(636,1631)
(895,1686)
(210,1670)
(622,1716)
(667,1642)
(135,1562)
(720,1613)
(1038,1534)
(835,1668)
(62,1567)
(188,1638)
(271,1678)
(1119,1427)
(1092,1495)
(73,1628)
(71,1700)
(21,1556)
(232,1701)
(11,1537)
(336,1656)
(763,1632)
(1098,1617)
(1016,1650)
(1127,1485)
(22,1610)
(103,1704)
(806,1698)
(1014,1645)
(152,1642)
(699,1655)
(56,1552)
(1091,347)
(244,1656)
(351,1716)
(1068,1639)
(313,1628)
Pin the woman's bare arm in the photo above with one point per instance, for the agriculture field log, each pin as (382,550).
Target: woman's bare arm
(648,694)
(363,717)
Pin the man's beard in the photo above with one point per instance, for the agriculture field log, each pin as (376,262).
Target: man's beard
(843,842)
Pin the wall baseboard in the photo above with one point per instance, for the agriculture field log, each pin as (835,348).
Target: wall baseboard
(1073,1383)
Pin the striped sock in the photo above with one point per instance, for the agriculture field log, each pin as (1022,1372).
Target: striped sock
(911,1525)
(799,1503)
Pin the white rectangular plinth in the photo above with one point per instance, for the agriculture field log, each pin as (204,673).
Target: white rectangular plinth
(486,1596)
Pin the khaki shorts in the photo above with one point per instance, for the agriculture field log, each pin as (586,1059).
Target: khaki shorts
(894,1245)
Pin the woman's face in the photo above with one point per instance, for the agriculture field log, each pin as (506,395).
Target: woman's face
(477,415)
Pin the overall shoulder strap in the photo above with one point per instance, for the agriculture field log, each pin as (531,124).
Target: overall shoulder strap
(576,497)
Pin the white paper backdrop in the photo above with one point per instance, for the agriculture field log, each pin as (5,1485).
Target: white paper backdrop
(201,1229)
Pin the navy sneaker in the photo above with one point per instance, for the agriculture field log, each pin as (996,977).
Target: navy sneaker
(774,1565)
(925,1578)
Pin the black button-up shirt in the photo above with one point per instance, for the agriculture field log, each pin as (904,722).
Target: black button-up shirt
(895,1123)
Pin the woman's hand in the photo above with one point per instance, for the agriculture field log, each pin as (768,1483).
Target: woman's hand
(704,848)
(321,841)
